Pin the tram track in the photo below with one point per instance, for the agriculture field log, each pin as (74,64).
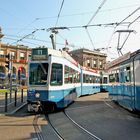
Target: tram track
(56,126)
(68,123)
(37,129)
(58,134)
(43,136)
(82,128)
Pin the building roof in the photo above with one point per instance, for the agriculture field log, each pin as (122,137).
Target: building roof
(89,52)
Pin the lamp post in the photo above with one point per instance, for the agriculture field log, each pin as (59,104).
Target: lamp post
(1,35)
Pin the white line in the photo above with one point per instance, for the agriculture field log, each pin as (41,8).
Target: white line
(108,104)
(82,127)
(18,108)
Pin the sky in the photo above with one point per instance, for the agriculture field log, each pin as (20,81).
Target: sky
(27,22)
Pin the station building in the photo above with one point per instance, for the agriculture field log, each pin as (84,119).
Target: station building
(92,59)
(20,57)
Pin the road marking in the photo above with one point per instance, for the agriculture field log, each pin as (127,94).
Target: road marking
(108,104)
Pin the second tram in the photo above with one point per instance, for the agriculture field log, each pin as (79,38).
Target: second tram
(124,80)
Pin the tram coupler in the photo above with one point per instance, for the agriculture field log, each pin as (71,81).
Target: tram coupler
(34,107)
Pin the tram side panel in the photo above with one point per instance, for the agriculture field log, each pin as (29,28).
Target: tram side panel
(126,86)
(137,81)
(126,90)
(66,92)
(104,83)
(90,83)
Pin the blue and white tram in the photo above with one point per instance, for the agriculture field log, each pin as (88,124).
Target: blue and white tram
(90,82)
(54,79)
(104,82)
(124,80)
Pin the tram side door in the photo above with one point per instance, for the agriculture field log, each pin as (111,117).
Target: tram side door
(136,78)
(122,86)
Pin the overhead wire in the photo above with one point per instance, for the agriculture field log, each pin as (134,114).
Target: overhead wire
(26,26)
(59,12)
(27,35)
(110,24)
(99,25)
(103,2)
(44,29)
(90,12)
(35,39)
(22,41)
(133,21)
(129,15)
(122,21)
(90,38)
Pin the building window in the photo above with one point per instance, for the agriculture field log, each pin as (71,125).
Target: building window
(22,56)
(1,54)
(94,63)
(88,63)
(101,64)
(13,55)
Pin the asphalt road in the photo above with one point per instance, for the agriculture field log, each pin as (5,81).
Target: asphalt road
(106,119)
(96,113)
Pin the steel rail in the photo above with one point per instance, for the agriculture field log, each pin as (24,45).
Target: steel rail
(54,129)
(37,129)
(82,128)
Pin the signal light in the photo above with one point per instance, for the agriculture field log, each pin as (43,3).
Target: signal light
(8,64)
(8,56)
(20,69)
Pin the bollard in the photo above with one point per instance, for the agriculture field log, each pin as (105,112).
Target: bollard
(15,97)
(22,95)
(6,98)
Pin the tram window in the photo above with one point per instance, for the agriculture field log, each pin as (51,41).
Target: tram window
(111,78)
(93,78)
(117,77)
(71,75)
(90,78)
(98,79)
(66,74)
(76,78)
(38,73)
(105,80)
(56,74)
(127,74)
(122,77)
(87,78)
(84,78)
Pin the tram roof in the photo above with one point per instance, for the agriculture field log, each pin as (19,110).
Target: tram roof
(43,53)
(123,58)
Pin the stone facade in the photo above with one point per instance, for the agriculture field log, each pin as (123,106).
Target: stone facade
(92,59)
(20,57)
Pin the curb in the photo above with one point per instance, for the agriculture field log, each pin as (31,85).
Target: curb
(14,111)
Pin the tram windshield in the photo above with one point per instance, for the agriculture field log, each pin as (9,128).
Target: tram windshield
(38,73)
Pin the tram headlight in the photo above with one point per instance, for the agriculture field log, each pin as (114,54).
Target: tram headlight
(37,95)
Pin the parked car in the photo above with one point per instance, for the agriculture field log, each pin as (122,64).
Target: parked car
(23,79)
(14,77)
(2,75)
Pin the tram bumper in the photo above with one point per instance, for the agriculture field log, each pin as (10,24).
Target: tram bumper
(34,107)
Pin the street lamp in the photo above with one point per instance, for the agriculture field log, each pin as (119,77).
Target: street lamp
(1,35)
